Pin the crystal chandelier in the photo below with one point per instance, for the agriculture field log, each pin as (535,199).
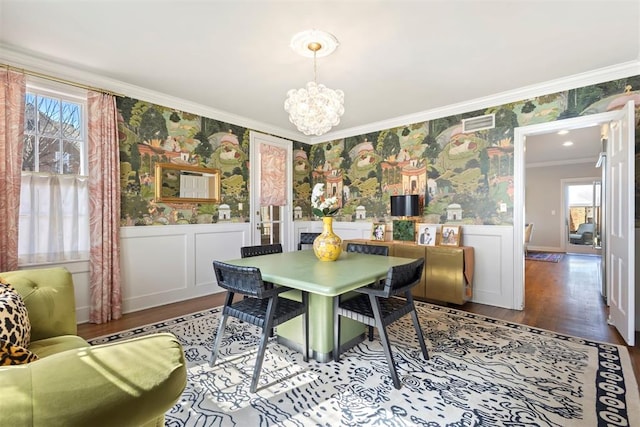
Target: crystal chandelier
(315,108)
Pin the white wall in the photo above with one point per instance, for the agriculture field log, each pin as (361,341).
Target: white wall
(543,196)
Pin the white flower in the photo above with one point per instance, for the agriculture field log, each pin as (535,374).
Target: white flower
(321,205)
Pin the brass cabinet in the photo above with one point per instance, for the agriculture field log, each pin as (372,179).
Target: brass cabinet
(448,272)
(413,251)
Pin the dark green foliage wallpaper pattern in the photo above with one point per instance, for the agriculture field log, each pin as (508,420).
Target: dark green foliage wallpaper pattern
(449,169)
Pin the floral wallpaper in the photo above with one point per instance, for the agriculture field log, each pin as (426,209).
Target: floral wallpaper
(466,176)
(151,133)
(461,177)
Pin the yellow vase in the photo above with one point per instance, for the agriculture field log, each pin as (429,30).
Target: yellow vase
(327,245)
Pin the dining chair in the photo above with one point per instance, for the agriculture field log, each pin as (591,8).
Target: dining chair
(370,250)
(257,250)
(528,231)
(378,305)
(307,239)
(263,308)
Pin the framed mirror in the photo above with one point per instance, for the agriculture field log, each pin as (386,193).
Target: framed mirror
(186,184)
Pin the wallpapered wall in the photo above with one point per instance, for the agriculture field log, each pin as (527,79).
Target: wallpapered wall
(468,175)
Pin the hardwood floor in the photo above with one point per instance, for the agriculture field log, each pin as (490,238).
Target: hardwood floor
(563,297)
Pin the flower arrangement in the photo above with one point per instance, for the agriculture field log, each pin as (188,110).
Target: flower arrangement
(322,206)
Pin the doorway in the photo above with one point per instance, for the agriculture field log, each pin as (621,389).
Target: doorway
(618,234)
(271,215)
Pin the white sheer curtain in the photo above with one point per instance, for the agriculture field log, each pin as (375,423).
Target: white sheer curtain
(54,218)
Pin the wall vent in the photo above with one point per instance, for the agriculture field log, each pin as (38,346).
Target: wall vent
(479,123)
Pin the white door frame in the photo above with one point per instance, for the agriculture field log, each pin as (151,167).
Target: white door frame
(255,139)
(520,134)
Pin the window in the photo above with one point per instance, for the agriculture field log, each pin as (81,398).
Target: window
(54,194)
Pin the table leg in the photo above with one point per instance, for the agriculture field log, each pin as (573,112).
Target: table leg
(320,328)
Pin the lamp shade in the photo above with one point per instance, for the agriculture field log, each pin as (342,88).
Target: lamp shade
(405,205)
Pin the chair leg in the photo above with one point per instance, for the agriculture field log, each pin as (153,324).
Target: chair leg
(228,300)
(305,326)
(214,352)
(377,313)
(266,328)
(370,333)
(416,325)
(336,329)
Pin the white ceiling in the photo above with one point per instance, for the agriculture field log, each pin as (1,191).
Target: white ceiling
(548,149)
(395,59)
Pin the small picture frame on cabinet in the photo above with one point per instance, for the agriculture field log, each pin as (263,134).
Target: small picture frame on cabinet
(450,235)
(427,234)
(378,231)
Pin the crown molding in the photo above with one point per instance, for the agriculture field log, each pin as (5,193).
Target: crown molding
(54,69)
(584,160)
(601,75)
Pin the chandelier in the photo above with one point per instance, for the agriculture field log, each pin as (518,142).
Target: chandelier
(315,108)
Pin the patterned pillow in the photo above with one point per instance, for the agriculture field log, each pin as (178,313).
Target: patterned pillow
(11,354)
(14,319)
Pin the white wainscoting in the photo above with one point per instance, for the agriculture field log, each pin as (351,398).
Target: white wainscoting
(166,264)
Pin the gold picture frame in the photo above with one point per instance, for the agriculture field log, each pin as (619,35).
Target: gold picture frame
(450,235)
(170,177)
(378,231)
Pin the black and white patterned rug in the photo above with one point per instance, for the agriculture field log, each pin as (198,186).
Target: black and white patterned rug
(482,372)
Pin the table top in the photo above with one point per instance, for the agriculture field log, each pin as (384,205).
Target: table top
(302,270)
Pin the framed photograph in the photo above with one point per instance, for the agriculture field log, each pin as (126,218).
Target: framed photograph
(404,230)
(427,234)
(377,231)
(450,235)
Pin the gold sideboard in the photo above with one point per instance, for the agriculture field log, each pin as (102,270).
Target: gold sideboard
(448,271)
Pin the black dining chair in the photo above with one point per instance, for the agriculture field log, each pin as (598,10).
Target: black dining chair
(378,305)
(370,250)
(263,308)
(307,239)
(257,250)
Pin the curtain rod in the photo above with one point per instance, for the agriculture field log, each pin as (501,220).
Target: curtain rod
(59,80)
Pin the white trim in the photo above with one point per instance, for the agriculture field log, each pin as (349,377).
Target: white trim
(614,72)
(519,138)
(286,221)
(587,160)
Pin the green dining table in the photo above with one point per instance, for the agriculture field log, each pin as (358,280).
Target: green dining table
(323,280)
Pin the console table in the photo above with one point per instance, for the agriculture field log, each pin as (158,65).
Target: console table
(448,270)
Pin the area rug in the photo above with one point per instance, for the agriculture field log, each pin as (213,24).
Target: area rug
(481,371)
(544,256)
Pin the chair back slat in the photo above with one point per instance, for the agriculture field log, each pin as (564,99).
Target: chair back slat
(403,277)
(249,251)
(243,280)
(368,249)
(307,239)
